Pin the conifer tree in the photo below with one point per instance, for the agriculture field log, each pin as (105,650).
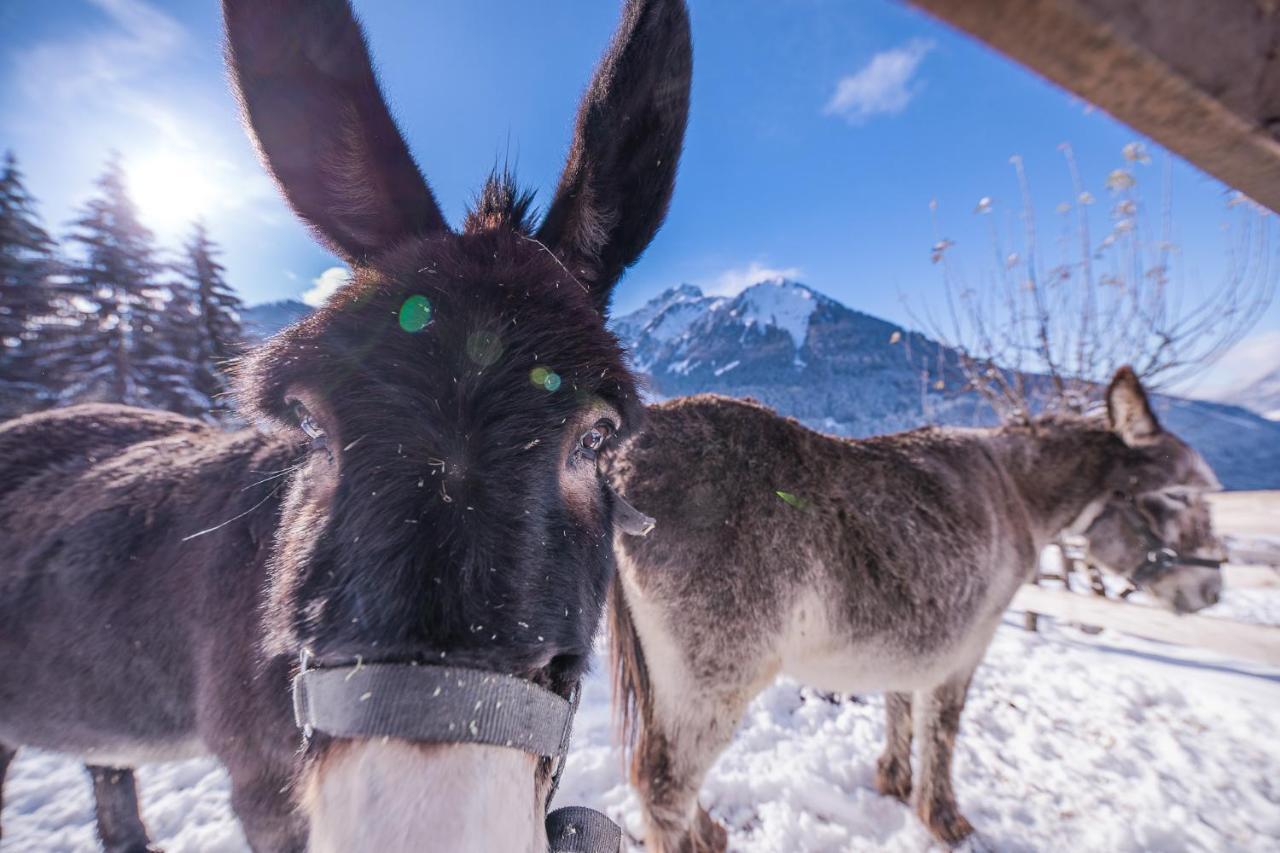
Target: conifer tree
(218,332)
(26,264)
(132,343)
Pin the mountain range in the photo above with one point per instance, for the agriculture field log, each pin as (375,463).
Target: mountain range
(848,373)
(264,320)
(1261,395)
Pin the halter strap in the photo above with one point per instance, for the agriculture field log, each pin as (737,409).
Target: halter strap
(1159,557)
(432,704)
(449,704)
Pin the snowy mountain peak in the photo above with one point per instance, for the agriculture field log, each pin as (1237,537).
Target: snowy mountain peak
(684,331)
(780,282)
(681,292)
(779,302)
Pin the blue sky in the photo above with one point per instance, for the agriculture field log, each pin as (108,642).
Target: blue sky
(820,132)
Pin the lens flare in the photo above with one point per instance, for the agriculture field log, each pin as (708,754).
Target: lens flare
(484,348)
(415,314)
(544,378)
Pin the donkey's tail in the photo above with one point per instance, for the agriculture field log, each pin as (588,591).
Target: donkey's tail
(631,689)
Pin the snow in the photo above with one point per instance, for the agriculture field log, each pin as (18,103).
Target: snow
(777,302)
(1070,741)
(720,371)
(676,319)
(681,367)
(639,321)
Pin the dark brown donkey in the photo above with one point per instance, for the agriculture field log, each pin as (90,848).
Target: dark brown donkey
(429,495)
(874,565)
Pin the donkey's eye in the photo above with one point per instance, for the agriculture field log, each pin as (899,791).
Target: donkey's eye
(307,422)
(594,438)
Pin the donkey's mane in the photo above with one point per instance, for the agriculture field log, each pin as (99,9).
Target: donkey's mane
(501,203)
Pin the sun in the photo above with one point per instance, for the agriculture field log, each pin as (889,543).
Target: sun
(171,191)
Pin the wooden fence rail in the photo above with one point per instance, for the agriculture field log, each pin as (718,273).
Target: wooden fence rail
(1238,639)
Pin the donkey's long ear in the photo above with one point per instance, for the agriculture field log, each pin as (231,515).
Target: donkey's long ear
(312,105)
(621,170)
(1128,409)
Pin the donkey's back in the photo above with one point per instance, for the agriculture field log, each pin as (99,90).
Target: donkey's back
(65,441)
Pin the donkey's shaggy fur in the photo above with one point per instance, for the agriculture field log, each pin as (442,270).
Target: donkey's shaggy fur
(430,492)
(877,564)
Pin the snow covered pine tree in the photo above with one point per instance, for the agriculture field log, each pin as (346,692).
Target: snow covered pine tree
(133,340)
(218,335)
(26,263)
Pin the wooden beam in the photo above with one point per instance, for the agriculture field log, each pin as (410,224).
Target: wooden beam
(1236,639)
(1242,576)
(1201,77)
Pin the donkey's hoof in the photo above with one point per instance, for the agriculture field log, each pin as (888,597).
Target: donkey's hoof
(946,823)
(893,778)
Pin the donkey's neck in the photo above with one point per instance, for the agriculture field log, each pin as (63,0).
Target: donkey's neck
(1062,469)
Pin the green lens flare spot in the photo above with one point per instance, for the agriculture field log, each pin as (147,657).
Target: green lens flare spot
(543,378)
(484,348)
(415,314)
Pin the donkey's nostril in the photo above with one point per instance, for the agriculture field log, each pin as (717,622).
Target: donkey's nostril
(1210,593)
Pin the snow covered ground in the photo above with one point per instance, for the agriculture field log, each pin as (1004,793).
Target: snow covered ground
(1069,742)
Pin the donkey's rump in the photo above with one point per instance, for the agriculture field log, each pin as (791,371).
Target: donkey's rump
(97,587)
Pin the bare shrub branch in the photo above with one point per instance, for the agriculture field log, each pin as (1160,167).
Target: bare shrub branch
(1045,330)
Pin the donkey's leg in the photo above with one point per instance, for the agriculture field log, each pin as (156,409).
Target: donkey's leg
(678,742)
(115,794)
(262,798)
(893,769)
(247,723)
(937,720)
(6,757)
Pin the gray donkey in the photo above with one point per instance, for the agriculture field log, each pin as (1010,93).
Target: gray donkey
(876,564)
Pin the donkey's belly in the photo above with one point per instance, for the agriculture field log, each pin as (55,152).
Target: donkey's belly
(822,653)
(112,684)
(112,752)
(875,666)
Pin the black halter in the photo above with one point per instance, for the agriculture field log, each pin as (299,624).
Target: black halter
(1160,557)
(444,704)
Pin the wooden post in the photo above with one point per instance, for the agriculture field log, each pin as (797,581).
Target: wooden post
(1201,77)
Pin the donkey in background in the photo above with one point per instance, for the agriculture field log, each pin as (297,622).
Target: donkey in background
(882,564)
(430,493)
